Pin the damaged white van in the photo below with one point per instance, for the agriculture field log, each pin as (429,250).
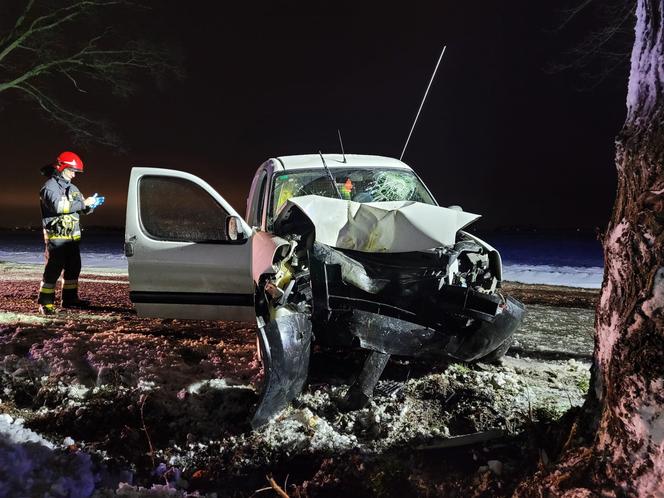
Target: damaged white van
(344,250)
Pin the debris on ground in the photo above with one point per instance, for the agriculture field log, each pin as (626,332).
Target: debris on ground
(101,400)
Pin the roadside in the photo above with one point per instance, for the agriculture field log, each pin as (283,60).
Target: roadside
(150,401)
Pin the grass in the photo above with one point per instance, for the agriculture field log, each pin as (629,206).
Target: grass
(583,383)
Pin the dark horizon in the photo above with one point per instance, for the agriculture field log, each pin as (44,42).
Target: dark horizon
(498,135)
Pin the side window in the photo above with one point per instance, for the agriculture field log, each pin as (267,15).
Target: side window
(177,209)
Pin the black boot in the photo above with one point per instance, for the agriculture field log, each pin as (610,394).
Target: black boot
(47,309)
(46,299)
(70,296)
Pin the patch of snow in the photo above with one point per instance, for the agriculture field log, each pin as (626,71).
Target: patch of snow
(75,392)
(643,419)
(635,74)
(570,276)
(31,467)
(638,323)
(100,259)
(646,71)
(12,430)
(652,423)
(615,248)
(656,302)
(9,317)
(608,333)
(326,438)
(300,431)
(606,294)
(125,490)
(214,384)
(146,385)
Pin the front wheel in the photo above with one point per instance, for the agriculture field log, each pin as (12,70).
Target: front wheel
(496,355)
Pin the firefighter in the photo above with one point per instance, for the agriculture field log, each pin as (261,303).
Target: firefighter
(61,205)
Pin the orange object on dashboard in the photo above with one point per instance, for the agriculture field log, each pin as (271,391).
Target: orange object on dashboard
(348,186)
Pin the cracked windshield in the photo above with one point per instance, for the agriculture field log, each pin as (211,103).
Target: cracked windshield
(359,185)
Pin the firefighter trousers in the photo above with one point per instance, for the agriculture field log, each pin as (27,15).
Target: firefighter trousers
(61,254)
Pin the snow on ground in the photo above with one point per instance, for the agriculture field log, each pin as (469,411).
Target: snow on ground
(114,398)
(96,259)
(30,465)
(458,400)
(571,276)
(114,261)
(13,431)
(546,330)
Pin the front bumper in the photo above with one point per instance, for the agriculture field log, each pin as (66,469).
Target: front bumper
(409,315)
(396,336)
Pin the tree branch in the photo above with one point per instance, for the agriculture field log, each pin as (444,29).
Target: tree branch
(598,54)
(595,44)
(572,13)
(81,127)
(79,63)
(22,17)
(22,38)
(96,61)
(74,82)
(51,21)
(18,23)
(56,18)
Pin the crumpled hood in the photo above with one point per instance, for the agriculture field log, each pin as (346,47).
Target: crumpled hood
(396,226)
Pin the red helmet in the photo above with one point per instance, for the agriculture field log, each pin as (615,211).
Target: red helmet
(68,160)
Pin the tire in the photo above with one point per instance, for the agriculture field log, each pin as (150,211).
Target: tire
(497,354)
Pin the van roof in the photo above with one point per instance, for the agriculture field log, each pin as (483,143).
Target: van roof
(312,161)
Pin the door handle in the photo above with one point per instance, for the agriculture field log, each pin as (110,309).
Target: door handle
(129,246)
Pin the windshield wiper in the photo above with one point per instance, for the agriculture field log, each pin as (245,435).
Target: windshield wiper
(329,175)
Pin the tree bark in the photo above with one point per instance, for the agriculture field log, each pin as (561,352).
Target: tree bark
(624,411)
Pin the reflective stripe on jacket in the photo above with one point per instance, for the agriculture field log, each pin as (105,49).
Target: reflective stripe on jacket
(61,203)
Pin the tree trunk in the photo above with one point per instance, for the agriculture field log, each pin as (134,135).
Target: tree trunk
(625,407)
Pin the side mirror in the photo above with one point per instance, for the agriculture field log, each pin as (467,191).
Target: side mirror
(234,230)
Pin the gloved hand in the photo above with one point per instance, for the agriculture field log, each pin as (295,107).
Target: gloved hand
(98,200)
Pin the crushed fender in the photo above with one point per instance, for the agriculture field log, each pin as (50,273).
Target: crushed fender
(285,344)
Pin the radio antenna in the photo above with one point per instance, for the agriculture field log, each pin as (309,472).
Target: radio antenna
(341,142)
(329,175)
(422,104)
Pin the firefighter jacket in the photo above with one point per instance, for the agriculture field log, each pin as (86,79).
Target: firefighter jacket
(61,205)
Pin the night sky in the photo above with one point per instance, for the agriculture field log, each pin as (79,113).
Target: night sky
(499,135)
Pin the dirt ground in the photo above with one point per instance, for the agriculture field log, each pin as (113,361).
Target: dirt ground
(101,397)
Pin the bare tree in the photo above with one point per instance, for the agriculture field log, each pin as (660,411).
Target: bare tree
(616,448)
(48,56)
(604,50)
